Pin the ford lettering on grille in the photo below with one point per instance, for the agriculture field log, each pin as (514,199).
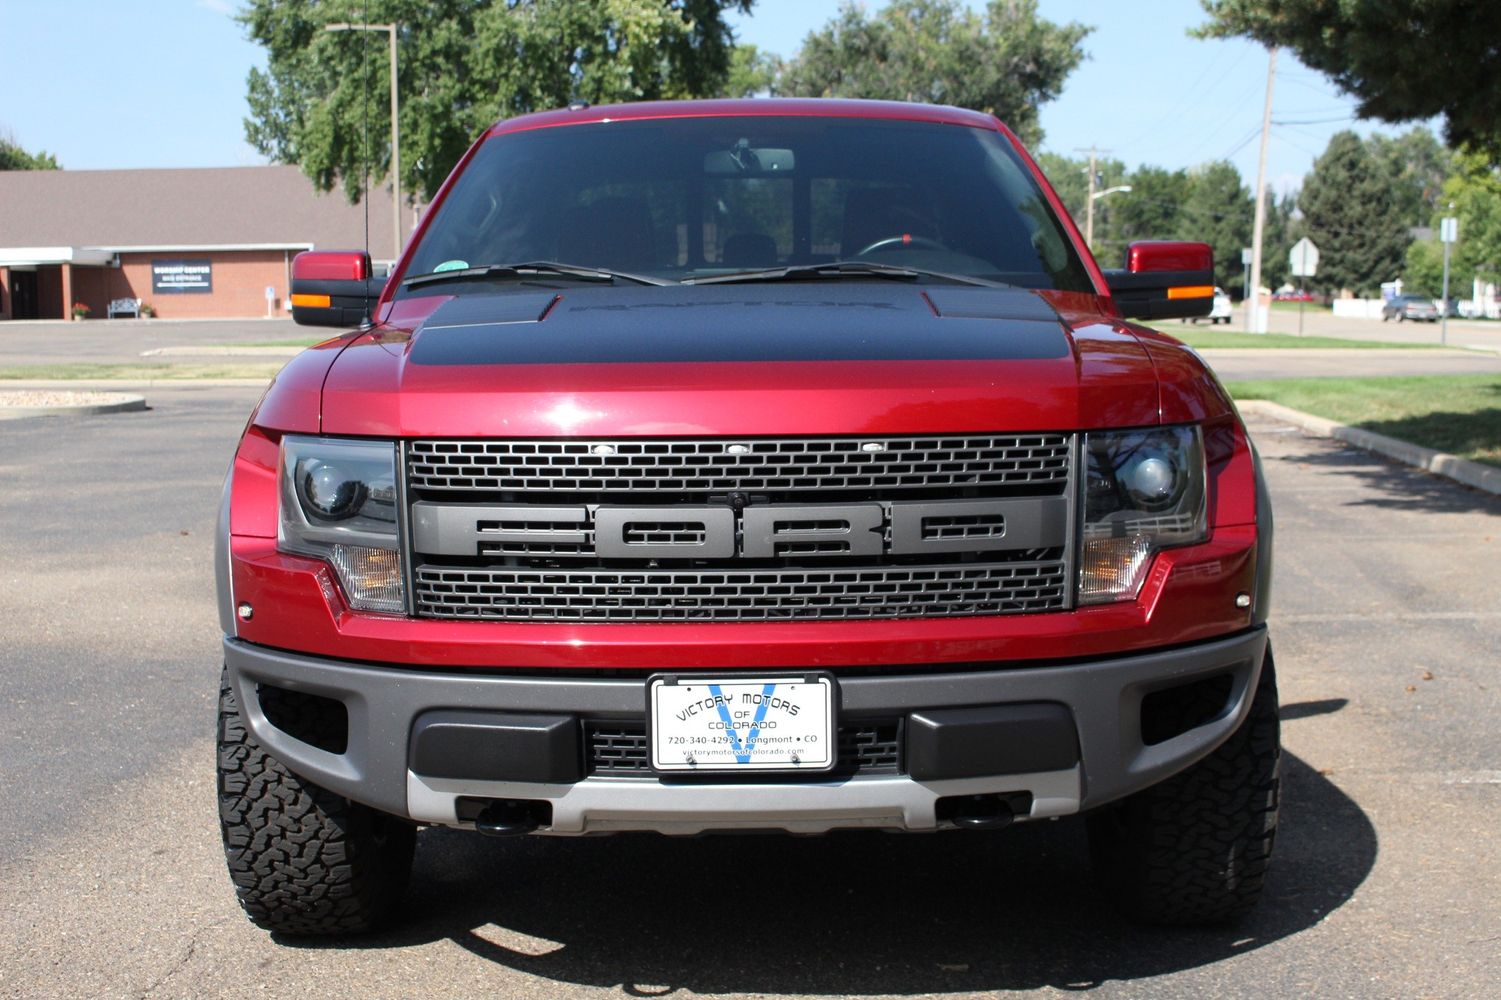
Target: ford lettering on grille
(753,529)
(772,531)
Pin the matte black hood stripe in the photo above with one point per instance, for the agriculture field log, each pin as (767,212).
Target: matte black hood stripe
(866,322)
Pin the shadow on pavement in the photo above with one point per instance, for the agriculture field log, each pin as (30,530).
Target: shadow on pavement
(1393,484)
(1308,709)
(849,913)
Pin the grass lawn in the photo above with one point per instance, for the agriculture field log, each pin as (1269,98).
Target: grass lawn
(1459,414)
(294,342)
(142,372)
(1201,339)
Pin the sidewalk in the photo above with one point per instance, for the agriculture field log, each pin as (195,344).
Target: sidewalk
(1235,364)
(1473,474)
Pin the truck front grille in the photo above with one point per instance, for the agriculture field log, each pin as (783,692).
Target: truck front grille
(780,464)
(755,529)
(716,595)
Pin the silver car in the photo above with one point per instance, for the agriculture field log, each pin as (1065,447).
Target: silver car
(1413,307)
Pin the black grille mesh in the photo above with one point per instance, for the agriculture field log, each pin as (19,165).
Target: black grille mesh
(512,594)
(865,747)
(883,463)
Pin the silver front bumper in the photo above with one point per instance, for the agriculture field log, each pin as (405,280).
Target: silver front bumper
(600,805)
(1104,697)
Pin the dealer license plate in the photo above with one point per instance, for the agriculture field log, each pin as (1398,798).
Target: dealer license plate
(741,724)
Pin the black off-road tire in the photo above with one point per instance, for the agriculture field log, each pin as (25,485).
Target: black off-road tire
(1195,848)
(303,860)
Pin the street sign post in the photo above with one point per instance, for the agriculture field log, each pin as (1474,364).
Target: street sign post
(1448,234)
(1304,259)
(1245,281)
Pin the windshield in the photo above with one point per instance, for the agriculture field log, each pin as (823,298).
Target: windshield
(683,199)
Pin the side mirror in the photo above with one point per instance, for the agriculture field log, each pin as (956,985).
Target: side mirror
(1164,280)
(333,288)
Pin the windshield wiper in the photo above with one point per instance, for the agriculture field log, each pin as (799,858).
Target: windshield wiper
(840,269)
(528,269)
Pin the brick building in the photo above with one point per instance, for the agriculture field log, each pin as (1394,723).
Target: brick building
(191,243)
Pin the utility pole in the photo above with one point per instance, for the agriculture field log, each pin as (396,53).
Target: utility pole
(1089,201)
(1255,323)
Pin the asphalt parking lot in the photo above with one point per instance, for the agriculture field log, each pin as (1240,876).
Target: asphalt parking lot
(1385,882)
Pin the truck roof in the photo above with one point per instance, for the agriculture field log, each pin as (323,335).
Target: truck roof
(757,106)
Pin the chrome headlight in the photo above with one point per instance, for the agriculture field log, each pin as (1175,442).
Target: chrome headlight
(338,503)
(1143,491)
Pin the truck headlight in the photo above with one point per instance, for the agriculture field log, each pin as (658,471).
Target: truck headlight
(1143,491)
(338,503)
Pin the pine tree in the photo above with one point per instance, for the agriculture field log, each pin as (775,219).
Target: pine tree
(1353,216)
(1218,211)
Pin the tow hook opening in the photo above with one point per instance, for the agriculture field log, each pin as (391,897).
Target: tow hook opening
(984,812)
(504,817)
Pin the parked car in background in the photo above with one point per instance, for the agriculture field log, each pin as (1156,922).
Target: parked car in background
(1220,312)
(1293,295)
(1418,308)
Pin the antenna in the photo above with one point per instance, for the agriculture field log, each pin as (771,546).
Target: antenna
(365,72)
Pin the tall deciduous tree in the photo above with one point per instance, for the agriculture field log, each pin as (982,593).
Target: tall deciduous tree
(463,64)
(1474,189)
(1151,210)
(1351,212)
(1404,60)
(1418,165)
(13,157)
(1005,62)
(752,72)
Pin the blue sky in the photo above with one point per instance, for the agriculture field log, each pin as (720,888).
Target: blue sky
(161,83)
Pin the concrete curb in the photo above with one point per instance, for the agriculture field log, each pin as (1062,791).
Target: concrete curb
(223,350)
(1461,470)
(127,403)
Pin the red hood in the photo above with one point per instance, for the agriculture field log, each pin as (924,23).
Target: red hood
(747,360)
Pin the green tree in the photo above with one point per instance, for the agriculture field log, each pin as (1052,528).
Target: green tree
(1152,209)
(1219,211)
(1423,270)
(1418,165)
(463,65)
(752,72)
(1350,209)
(1283,228)
(1005,62)
(1403,60)
(1474,190)
(13,157)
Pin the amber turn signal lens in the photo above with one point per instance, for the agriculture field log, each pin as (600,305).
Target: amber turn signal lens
(1191,292)
(311,301)
(1112,569)
(371,577)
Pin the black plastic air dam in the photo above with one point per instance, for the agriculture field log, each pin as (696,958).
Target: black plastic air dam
(496,746)
(991,739)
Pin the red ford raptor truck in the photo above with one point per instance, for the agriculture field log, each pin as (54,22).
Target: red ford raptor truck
(745,465)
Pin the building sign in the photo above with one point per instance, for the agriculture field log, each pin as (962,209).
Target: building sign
(182,277)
